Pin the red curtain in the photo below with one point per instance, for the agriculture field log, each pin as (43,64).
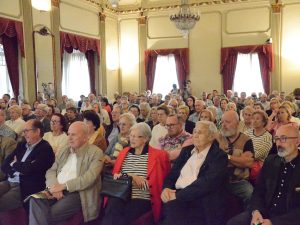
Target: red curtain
(229,60)
(88,46)
(181,59)
(11,33)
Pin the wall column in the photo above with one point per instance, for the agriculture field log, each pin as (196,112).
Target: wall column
(102,78)
(142,47)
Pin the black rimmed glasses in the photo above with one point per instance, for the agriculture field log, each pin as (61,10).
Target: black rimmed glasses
(25,131)
(170,126)
(283,139)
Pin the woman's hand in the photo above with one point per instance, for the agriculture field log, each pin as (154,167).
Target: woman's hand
(138,181)
(117,176)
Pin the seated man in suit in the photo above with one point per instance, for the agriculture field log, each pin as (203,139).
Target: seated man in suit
(276,196)
(26,167)
(194,189)
(73,182)
(41,114)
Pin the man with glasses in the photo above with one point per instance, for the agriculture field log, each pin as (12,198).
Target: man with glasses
(26,167)
(176,138)
(276,196)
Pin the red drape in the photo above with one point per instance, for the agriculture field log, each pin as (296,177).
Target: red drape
(181,60)
(11,33)
(229,60)
(86,45)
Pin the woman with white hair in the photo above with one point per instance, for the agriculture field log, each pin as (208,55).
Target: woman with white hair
(16,123)
(148,167)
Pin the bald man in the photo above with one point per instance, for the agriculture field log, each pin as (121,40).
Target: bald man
(239,149)
(73,182)
(276,197)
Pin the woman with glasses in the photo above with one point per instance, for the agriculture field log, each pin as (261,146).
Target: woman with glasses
(148,167)
(57,137)
(126,121)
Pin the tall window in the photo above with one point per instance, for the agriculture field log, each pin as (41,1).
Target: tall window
(75,75)
(248,75)
(5,85)
(165,74)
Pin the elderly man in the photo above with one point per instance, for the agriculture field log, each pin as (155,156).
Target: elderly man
(176,139)
(27,114)
(239,148)
(4,129)
(7,146)
(199,106)
(41,113)
(26,167)
(276,197)
(73,182)
(193,192)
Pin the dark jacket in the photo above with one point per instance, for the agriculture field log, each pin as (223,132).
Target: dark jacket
(46,125)
(209,186)
(189,126)
(33,170)
(265,190)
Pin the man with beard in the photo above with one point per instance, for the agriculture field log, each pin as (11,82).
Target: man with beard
(239,149)
(276,197)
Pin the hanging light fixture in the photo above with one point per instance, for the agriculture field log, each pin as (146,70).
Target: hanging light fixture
(41,5)
(185,20)
(114,3)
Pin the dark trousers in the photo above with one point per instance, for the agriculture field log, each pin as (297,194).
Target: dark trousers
(10,196)
(48,211)
(118,212)
(241,219)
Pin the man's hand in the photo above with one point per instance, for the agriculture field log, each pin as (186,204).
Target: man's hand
(58,195)
(267,222)
(256,217)
(57,188)
(168,195)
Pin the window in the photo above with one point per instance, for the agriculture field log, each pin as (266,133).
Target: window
(5,87)
(75,75)
(247,76)
(165,74)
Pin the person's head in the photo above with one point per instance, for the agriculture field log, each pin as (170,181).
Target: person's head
(296,93)
(231,106)
(167,99)
(15,112)
(229,94)
(41,111)
(96,107)
(215,93)
(26,109)
(64,98)
(206,115)
(33,131)
(173,103)
(204,95)
(213,110)
(282,95)
(204,134)
(230,124)
(223,103)
(259,119)
(258,106)
(247,114)
(162,113)
(2,116)
(199,106)
(174,86)
(174,125)
(58,123)
(183,112)
(78,134)
(135,110)
(142,98)
(263,98)
(91,97)
(104,101)
(190,102)
(115,113)
(140,134)
(209,96)
(287,141)
(249,102)
(127,120)
(153,113)
(274,104)
(283,114)
(71,113)
(290,106)
(2,104)
(216,101)
(92,120)
(12,102)
(6,98)
(145,108)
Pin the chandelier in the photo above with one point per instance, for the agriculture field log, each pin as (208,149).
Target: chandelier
(114,3)
(185,20)
(42,5)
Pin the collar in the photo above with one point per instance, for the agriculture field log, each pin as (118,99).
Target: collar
(80,150)
(292,163)
(145,150)
(33,145)
(203,153)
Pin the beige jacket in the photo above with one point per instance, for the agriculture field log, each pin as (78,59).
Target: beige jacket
(88,182)
(7,146)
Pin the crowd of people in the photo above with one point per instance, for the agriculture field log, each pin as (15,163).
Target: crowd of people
(185,155)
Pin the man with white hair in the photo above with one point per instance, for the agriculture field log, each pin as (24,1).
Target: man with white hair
(276,196)
(193,192)
(264,101)
(199,106)
(41,115)
(73,182)
(27,114)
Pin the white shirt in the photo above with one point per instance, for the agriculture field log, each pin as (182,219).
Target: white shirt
(158,132)
(69,170)
(189,172)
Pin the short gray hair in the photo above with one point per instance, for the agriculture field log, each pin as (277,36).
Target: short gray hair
(130,117)
(143,128)
(210,125)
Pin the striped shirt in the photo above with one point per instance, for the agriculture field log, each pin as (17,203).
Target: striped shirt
(137,165)
(262,144)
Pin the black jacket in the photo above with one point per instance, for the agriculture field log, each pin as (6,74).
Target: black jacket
(189,126)
(265,190)
(209,186)
(33,170)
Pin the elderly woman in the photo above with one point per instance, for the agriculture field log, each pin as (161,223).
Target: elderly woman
(96,133)
(126,121)
(148,168)
(145,109)
(57,137)
(206,115)
(246,123)
(153,117)
(16,123)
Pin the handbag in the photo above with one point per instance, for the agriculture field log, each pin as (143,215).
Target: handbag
(255,170)
(119,188)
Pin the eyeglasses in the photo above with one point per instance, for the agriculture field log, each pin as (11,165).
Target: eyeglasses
(170,126)
(283,139)
(27,130)
(55,121)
